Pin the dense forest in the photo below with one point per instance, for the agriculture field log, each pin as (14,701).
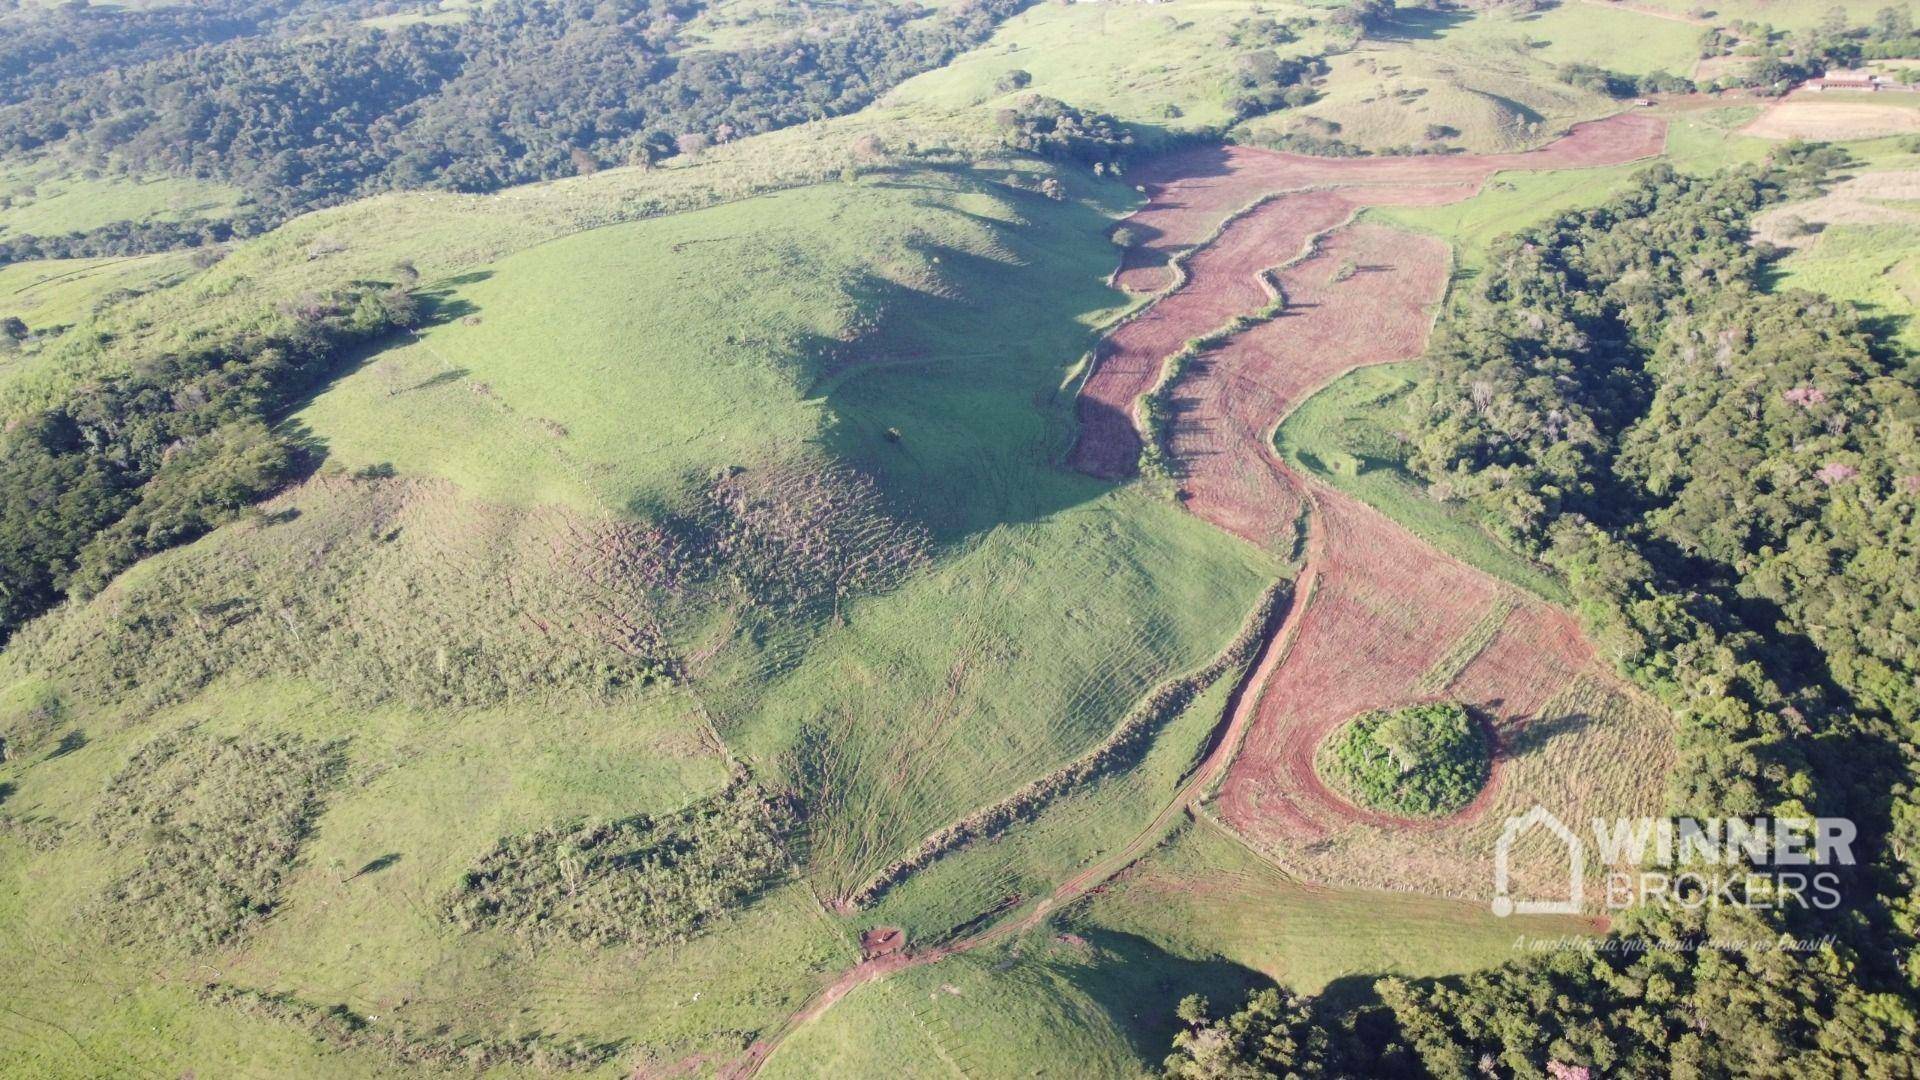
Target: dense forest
(1728,477)
(47,44)
(523,90)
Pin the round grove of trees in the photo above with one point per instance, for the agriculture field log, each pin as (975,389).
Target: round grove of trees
(1425,760)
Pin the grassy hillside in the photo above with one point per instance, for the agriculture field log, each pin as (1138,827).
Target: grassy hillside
(803,395)
(1481,78)
(44,198)
(1092,991)
(1160,66)
(52,294)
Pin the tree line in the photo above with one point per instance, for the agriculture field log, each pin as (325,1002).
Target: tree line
(134,463)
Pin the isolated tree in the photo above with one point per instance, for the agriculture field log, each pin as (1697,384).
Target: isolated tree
(869,147)
(1405,738)
(13,328)
(691,144)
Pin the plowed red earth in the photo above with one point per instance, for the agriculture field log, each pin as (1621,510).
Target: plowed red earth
(1387,609)
(1222,411)
(1192,193)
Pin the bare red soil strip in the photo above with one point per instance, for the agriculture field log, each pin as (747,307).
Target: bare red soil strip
(1193,194)
(1361,298)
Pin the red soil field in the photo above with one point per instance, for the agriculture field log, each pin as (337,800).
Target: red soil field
(1222,411)
(1191,192)
(1388,612)
(1191,195)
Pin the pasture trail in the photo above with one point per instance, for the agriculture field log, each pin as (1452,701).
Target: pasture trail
(1375,609)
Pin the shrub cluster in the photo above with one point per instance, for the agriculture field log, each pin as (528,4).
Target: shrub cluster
(1051,128)
(438,1047)
(1423,760)
(636,881)
(157,456)
(218,822)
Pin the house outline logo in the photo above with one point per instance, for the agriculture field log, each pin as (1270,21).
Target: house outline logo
(1504,903)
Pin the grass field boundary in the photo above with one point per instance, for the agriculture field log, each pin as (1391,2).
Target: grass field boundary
(1113,752)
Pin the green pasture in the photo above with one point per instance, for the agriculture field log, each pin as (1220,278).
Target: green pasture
(42,199)
(1875,267)
(1157,66)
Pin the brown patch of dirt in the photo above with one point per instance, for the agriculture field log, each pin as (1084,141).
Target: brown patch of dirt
(687,1066)
(1652,10)
(882,940)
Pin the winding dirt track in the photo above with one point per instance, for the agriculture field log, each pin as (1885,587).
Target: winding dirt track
(1374,609)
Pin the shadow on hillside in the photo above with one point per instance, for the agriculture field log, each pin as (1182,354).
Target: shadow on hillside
(376,865)
(950,391)
(69,743)
(1139,985)
(953,398)
(438,306)
(1192,161)
(1531,737)
(1419,24)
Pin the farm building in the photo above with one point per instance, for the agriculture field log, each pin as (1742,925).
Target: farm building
(1846,80)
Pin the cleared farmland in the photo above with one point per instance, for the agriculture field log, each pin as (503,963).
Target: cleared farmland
(1202,197)
(1388,619)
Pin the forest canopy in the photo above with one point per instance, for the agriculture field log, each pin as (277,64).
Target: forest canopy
(522,90)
